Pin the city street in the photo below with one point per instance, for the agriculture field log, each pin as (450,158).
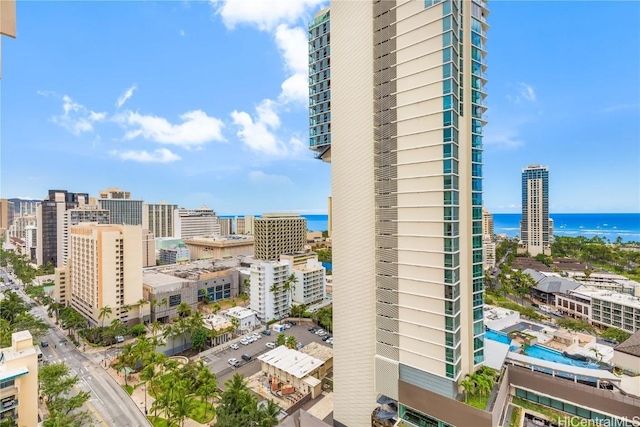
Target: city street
(106,393)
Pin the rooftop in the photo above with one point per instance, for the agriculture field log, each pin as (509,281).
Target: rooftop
(189,271)
(551,282)
(239,312)
(318,351)
(631,345)
(293,362)
(156,279)
(606,295)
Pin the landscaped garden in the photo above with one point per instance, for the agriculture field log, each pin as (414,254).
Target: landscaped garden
(477,387)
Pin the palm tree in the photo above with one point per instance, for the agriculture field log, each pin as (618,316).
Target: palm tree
(105,311)
(184,326)
(468,386)
(291,342)
(235,322)
(269,414)
(170,331)
(281,339)
(141,303)
(274,290)
(290,284)
(208,386)
(182,404)
(183,309)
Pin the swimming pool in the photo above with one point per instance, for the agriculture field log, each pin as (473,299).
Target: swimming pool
(500,337)
(544,353)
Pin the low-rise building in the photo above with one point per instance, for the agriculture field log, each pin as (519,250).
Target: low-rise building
(548,285)
(210,248)
(19,380)
(222,327)
(292,368)
(247,318)
(170,285)
(174,255)
(309,287)
(627,354)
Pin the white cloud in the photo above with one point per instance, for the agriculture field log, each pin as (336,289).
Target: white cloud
(262,178)
(502,138)
(75,117)
(182,33)
(527,92)
(160,155)
(196,129)
(126,96)
(263,14)
(257,133)
(293,45)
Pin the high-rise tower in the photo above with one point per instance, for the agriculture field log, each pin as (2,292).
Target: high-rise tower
(407,114)
(535,229)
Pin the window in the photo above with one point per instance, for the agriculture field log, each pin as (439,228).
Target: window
(450,182)
(175,300)
(446,39)
(447,101)
(450,150)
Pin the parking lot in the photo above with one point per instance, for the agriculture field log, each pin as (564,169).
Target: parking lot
(219,362)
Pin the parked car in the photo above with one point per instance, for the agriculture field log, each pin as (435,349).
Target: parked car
(44,343)
(291,322)
(270,345)
(257,336)
(326,337)
(287,326)
(234,346)
(234,362)
(246,357)
(266,332)
(311,329)
(299,345)
(244,341)
(119,338)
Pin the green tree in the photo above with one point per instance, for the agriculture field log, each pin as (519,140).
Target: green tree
(199,338)
(183,309)
(235,322)
(55,387)
(237,404)
(291,342)
(616,334)
(105,312)
(268,414)
(468,385)
(281,339)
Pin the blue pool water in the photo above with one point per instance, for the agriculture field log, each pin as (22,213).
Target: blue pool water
(540,352)
(544,353)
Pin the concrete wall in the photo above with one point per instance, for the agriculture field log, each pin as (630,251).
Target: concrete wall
(626,361)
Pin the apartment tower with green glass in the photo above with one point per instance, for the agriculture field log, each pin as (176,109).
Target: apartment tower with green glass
(407,112)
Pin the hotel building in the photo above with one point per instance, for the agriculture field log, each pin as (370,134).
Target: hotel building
(122,211)
(158,218)
(407,117)
(7,23)
(536,231)
(50,217)
(19,381)
(277,234)
(105,269)
(200,222)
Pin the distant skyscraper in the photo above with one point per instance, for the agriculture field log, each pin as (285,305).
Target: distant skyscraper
(158,218)
(407,117)
(114,193)
(25,206)
(535,229)
(225,226)
(86,213)
(487,224)
(7,213)
(320,85)
(50,222)
(189,223)
(277,234)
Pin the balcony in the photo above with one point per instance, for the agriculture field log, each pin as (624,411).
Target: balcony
(8,405)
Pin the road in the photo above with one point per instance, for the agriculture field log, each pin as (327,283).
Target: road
(109,403)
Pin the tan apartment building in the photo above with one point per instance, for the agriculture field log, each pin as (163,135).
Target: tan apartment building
(226,226)
(105,269)
(19,381)
(406,159)
(277,234)
(219,247)
(114,193)
(310,287)
(6,213)
(148,248)
(245,224)
(190,223)
(158,217)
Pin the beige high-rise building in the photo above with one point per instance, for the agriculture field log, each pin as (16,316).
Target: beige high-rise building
(114,193)
(19,379)
(158,218)
(487,224)
(201,222)
(105,269)
(226,226)
(148,249)
(536,232)
(329,216)
(406,159)
(245,224)
(6,214)
(276,234)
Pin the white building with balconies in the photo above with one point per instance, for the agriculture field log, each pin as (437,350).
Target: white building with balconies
(270,298)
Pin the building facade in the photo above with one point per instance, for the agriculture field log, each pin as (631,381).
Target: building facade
(245,224)
(310,285)
(50,219)
(122,211)
(158,217)
(320,84)
(114,193)
(535,229)
(7,212)
(200,222)
(219,247)
(406,159)
(277,234)
(7,22)
(19,226)
(174,255)
(19,381)
(148,249)
(269,297)
(86,213)
(105,269)
(226,226)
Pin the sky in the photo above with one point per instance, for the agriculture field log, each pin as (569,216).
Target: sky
(205,103)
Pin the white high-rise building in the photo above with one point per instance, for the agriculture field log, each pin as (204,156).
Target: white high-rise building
(406,122)
(200,222)
(158,218)
(269,297)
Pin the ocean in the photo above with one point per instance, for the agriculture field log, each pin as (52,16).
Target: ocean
(605,225)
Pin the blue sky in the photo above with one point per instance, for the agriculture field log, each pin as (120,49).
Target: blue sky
(204,103)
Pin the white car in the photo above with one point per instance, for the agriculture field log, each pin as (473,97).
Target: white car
(244,342)
(234,346)
(257,336)
(233,362)
(271,345)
